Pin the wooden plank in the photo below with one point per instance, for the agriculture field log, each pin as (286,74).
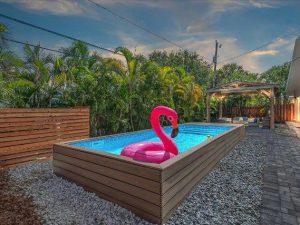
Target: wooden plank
(17,140)
(26,128)
(111,192)
(28,141)
(41,131)
(23,159)
(25,137)
(128,167)
(47,158)
(111,182)
(138,211)
(41,119)
(42,126)
(14,124)
(24,110)
(41,114)
(106,171)
(23,154)
(26,147)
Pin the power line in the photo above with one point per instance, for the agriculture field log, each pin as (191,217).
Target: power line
(135,24)
(32,45)
(139,26)
(257,48)
(56,33)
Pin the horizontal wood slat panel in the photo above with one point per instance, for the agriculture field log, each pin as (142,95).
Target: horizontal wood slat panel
(127,167)
(111,182)
(27,134)
(106,171)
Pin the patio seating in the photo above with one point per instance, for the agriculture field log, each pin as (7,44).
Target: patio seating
(253,122)
(224,120)
(241,120)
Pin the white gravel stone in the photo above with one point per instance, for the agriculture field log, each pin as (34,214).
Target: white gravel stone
(230,194)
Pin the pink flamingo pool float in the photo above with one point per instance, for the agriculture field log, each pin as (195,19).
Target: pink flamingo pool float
(156,152)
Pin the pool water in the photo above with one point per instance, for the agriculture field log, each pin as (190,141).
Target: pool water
(189,136)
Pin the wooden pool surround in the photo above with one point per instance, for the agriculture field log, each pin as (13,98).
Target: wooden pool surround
(151,191)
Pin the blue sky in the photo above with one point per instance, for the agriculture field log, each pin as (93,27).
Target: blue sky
(195,25)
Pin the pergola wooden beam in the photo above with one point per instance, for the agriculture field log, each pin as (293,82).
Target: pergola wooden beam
(243,88)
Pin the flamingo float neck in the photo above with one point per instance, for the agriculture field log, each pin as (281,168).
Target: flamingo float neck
(168,143)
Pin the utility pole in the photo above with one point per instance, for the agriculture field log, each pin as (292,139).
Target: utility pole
(215,61)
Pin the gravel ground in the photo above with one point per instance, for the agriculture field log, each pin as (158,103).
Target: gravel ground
(230,194)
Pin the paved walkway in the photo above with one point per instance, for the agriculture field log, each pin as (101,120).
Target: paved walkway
(281,176)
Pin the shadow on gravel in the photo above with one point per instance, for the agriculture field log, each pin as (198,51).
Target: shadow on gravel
(15,208)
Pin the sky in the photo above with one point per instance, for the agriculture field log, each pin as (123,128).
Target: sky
(239,25)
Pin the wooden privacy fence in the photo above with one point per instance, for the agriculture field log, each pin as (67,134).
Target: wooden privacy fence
(283,112)
(257,111)
(28,134)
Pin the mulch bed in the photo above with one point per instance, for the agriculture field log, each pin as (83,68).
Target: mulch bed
(15,208)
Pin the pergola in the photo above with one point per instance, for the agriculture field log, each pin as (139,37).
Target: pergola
(242,88)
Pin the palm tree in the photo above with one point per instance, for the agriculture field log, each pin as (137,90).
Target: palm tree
(131,78)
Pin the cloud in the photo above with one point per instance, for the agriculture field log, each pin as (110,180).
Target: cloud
(190,27)
(204,48)
(282,44)
(80,7)
(263,4)
(215,9)
(264,53)
(58,7)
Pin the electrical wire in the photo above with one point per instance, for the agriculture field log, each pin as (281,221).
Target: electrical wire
(257,48)
(139,26)
(135,24)
(32,45)
(56,33)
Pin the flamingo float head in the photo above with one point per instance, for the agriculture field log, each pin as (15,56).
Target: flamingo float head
(171,115)
(173,119)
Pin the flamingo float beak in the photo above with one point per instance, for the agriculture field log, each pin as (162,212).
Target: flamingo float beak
(175,130)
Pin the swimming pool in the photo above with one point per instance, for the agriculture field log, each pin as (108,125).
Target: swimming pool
(152,191)
(189,136)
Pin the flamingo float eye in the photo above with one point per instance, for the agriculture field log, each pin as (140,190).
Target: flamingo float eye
(170,118)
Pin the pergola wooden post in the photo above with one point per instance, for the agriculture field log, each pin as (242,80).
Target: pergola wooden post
(242,88)
(221,106)
(208,108)
(272,114)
